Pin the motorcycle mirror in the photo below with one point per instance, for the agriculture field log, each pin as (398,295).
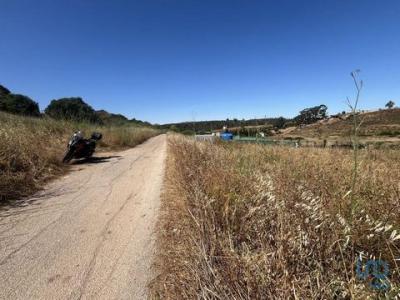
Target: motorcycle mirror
(96,136)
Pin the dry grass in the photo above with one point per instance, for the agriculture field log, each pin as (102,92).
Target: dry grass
(254,222)
(31,149)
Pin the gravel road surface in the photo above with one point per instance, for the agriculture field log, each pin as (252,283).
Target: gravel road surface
(89,234)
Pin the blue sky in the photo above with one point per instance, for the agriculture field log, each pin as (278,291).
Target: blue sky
(183,60)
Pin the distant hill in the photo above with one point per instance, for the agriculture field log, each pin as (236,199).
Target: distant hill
(110,118)
(376,123)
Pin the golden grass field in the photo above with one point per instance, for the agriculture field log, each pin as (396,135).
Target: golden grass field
(31,149)
(259,222)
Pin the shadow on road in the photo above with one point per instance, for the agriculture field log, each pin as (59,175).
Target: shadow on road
(31,201)
(5,205)
(94,160)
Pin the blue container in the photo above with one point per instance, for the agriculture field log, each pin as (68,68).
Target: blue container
(226,136)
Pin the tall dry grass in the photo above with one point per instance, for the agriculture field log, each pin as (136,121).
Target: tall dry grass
(256,222)
(31,149)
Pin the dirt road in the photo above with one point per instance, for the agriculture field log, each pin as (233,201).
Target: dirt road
(89,234)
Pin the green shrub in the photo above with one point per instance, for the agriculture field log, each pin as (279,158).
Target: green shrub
(188,132)
(389,133)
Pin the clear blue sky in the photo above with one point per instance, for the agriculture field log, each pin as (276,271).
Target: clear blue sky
(177,60)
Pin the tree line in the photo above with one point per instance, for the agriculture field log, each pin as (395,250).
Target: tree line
(209,126)
(306,116)
(70,108)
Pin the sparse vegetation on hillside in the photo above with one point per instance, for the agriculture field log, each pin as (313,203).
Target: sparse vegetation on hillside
(31,149)
(374,123)
(254,222)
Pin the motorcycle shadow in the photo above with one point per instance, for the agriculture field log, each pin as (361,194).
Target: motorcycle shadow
(94,160)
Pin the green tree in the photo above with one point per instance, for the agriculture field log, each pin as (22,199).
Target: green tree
(280,123)
(4,91)
(18,104)
(312,114)
(390,104)
(3,94)
(111,119)
(73,108)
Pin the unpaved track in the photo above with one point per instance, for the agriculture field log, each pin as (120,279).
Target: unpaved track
(88,235)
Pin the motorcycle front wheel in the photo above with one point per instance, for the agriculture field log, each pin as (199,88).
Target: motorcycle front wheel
(68,156)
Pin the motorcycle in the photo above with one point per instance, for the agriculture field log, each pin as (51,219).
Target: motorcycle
(79,147)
